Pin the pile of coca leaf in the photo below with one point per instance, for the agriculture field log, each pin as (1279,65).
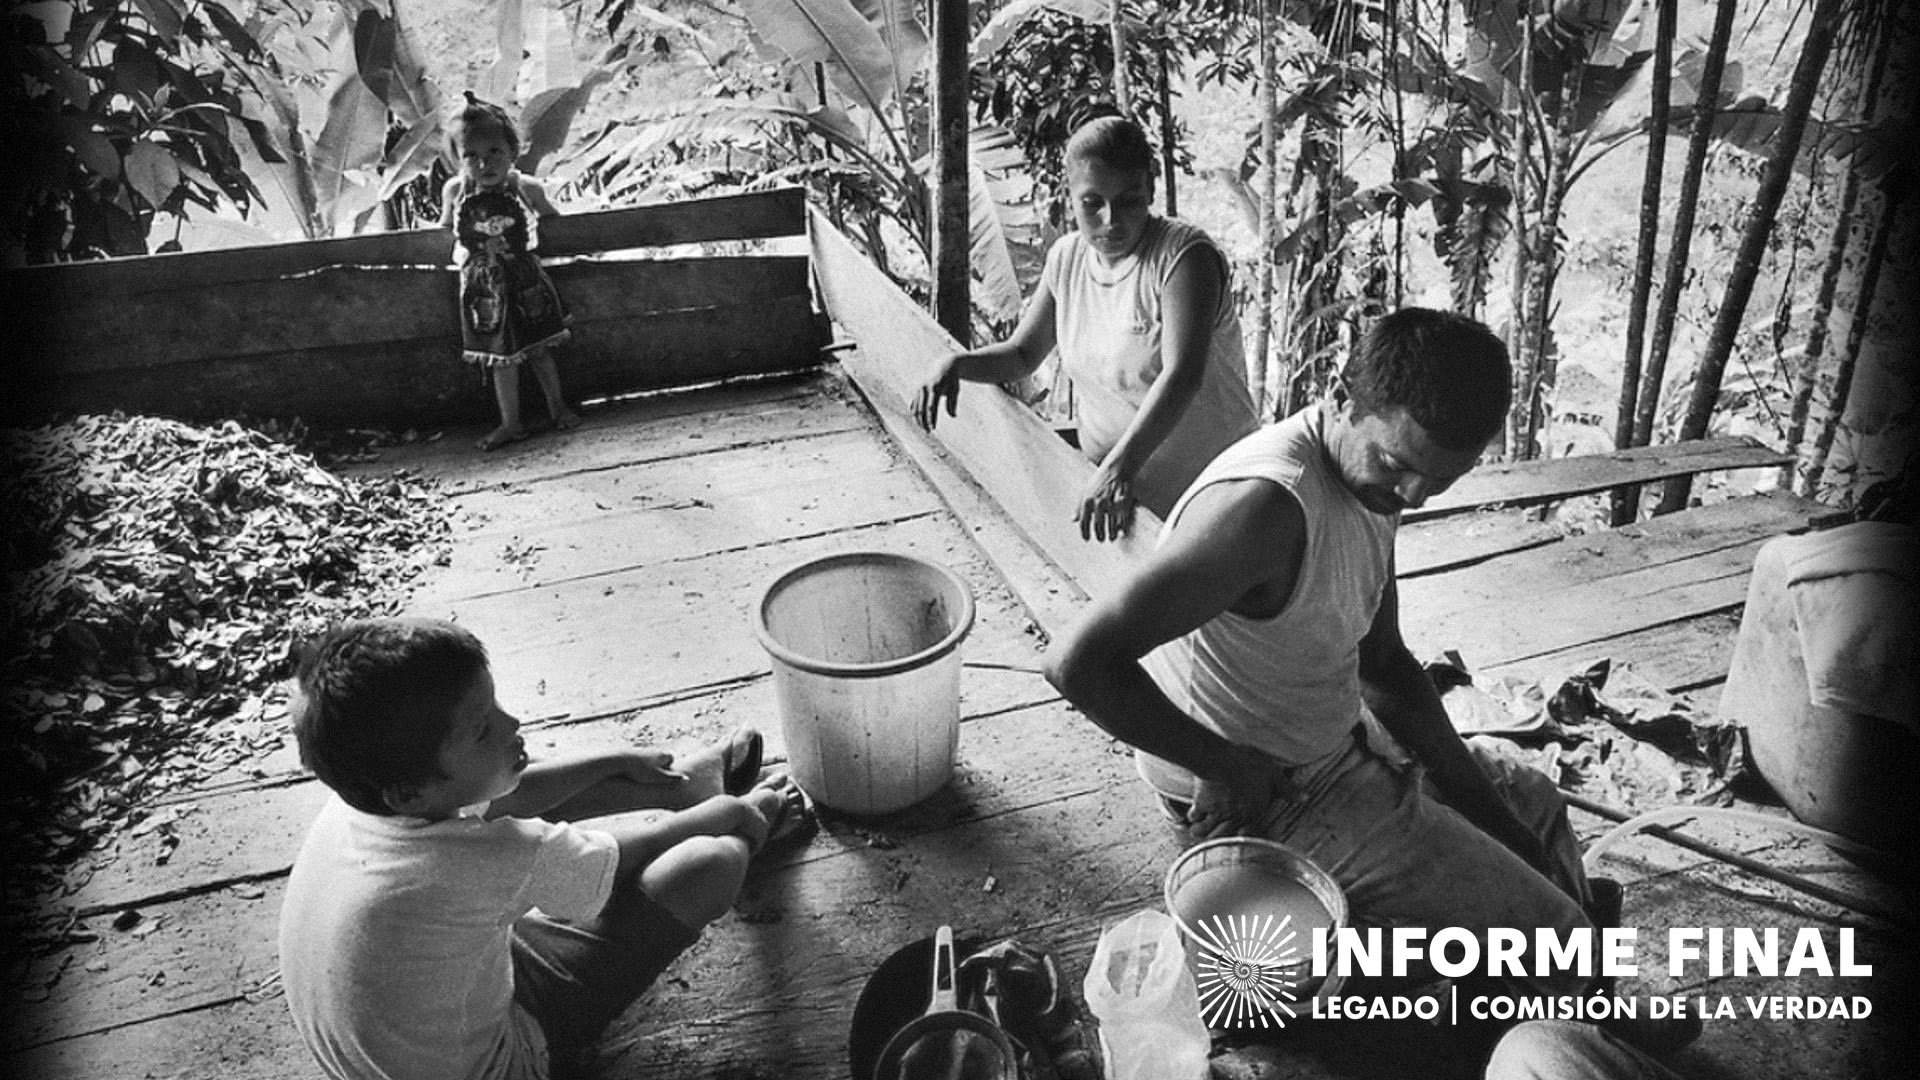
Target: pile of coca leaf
(157,576)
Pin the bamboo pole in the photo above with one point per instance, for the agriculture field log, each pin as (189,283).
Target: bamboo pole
(1821,31)
(951,248)
(1624,502)
(1732,858)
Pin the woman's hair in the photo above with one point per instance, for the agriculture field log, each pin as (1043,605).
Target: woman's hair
(1114,141)
(1448,371)
(482,118)
(374,700)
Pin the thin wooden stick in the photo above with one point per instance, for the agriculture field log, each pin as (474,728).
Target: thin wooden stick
(1750,865)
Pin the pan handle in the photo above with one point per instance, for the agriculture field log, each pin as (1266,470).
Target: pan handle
(946,993)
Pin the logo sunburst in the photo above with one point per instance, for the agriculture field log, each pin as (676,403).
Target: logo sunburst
(1250,971)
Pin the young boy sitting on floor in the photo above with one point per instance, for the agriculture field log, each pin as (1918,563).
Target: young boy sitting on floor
(443,919)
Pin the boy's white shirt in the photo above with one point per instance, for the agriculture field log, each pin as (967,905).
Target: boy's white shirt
(394,938)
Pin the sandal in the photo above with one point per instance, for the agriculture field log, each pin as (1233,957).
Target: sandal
(793,823)
(740,761)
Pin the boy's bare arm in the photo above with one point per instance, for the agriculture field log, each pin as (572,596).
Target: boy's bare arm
(644,839)
(547,784)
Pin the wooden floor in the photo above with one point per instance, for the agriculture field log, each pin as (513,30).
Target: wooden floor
(611,571)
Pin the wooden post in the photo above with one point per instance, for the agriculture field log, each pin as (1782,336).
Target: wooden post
(951,246)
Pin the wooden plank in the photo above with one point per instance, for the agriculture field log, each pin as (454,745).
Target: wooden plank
(1737,523)
(283,315)
(191,954)
(640,288)
(1052,599)
(596,523)
(729,217)
(247,1039)
(342,306)
(758,336)
(588,647)
(1026,781)
(251,833)
(1432,547)
(796,1021)
(1685,657)
(1034,477)
(748,216)
(1517,626)
(423,381)
(117,279)
(675,423)
(1532,483)
(776,985)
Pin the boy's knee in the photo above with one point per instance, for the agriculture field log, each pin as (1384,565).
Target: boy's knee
(1535,1050)
(697,879)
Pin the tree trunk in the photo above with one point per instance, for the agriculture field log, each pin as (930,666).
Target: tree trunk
(1519,342)
(1117,30)
(1545,349)
(1856,338)
(951,249)
(1166,141)
(1540,250)
(1681,246)
(1399,152)
(1839,242)
(1624,501)
(1262,345)
(1753,241)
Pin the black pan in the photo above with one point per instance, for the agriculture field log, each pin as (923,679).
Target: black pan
(937,1034)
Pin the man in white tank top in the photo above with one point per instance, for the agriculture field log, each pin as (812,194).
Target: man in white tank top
(1241,660)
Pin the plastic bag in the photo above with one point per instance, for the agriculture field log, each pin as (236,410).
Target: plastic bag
(1139,988)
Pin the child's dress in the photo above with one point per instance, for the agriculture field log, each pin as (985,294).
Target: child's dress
(509,309)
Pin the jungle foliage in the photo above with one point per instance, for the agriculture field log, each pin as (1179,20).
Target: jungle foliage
(1486,113)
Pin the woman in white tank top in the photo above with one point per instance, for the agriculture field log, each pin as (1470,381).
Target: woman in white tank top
(1139,307)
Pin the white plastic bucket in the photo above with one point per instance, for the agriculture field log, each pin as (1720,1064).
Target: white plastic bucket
(866,667)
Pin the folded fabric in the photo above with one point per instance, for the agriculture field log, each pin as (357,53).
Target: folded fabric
(1855,592)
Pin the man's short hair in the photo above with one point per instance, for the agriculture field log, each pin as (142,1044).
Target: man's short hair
(375,699)
(1114,141)
(1448,371)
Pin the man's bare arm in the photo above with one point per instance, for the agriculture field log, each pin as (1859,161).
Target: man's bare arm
(1232,542)
(1403,698)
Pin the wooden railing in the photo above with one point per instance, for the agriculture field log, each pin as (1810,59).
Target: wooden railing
(1034,478)
(362,331)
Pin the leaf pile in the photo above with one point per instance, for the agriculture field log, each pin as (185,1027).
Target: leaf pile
(157,575)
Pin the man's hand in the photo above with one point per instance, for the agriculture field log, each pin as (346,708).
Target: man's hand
(1106,511)
(1238,802)
(942,385)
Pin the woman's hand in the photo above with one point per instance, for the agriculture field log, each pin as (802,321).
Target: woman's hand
(942,385)
(1106,511)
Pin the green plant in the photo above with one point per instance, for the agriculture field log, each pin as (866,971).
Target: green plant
(118,112)
(130,112)
(837,104)
(1041,68)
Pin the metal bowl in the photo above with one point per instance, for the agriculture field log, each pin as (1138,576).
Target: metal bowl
(1242,959)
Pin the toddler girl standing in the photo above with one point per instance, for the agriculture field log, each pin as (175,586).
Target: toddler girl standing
(510,313)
